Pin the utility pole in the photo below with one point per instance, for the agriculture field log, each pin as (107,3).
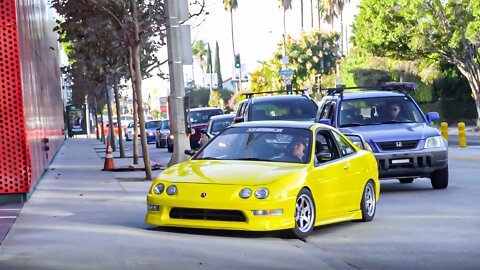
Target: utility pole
(177,88)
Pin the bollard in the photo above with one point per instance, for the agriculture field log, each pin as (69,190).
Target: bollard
(462,136)
(444,130)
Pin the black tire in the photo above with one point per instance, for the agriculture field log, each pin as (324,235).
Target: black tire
(170,148)
(406,180)
(439,178)
(305,219)
(368,204)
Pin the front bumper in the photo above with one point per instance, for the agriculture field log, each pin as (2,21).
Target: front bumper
(218,201)
(411,164)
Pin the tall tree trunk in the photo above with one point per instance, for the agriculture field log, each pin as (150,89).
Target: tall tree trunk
(135,45)
(95,116)
(102,130)
(472,73)
(311,14)
(301,15)
(111,130)
(135,129)
(135,112)
(119,120)
(284,32)
(233,39)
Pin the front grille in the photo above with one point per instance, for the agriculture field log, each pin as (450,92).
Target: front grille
(398,145)
(207,214)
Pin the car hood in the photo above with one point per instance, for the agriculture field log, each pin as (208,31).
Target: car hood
(392,132)
(230,172)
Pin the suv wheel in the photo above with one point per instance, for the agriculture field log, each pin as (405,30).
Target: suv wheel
(439,178)
(170,148)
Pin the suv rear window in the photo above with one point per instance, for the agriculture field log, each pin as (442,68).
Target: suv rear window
(300,110)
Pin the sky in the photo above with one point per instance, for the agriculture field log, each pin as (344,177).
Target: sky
(258,29)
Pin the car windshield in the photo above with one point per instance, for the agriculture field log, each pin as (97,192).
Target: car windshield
(165,124)
(153,124)
(203,116)
(374,111)
(259,143)
(221,124)
(300,110)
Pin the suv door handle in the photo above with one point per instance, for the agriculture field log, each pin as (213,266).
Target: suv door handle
(346,166)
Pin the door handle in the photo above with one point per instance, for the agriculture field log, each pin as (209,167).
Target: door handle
(346,166)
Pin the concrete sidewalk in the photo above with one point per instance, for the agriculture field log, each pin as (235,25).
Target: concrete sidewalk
(80,217)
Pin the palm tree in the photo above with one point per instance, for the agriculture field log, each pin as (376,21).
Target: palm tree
(285,4)
(231,5)
(199,51)
(334,8)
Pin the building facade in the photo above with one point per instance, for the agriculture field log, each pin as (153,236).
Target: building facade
(31,103)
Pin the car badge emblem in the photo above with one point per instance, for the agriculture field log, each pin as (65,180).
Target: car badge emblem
(203,195)
(398,144)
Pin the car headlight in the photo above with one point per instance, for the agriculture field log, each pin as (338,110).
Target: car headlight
(171,136)
(434,142)
(150,133)
(158,189)
(360,145)
(261,193)
(245,193)
(171,190)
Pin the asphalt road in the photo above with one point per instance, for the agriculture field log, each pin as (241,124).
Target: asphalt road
(415,227)
(472,140)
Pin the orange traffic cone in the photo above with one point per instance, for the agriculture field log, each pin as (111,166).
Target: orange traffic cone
(108,165)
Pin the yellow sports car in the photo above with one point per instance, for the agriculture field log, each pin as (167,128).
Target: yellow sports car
(268,175)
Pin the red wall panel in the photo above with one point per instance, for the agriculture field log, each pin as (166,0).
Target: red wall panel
(31,104)
(14,165)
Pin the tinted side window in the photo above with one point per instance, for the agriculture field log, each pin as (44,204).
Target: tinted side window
(324,110)
(345,148)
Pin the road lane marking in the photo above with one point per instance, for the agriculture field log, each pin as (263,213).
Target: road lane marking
(464,158)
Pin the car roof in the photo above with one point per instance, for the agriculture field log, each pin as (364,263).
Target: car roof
(222,116)
(205,109)
(277,97)
(277,124)
(369,94)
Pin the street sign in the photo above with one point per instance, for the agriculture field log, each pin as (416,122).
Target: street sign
(285,72)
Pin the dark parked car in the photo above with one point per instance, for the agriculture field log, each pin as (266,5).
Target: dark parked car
(198,120)
(277,107)
(161,134)
(215,125)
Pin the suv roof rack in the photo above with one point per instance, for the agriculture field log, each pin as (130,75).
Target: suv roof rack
(388,86)
(298,91)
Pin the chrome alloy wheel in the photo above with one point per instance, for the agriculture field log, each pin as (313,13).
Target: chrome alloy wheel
(304,213)
(369,199)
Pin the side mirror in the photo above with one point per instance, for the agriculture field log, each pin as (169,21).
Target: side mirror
(238,120)
(432,116)
(324,156)
(325,121)
(190,152)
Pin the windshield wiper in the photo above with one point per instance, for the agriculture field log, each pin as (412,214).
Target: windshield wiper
(397,121)
(208,158)
(252,158)
(353,125)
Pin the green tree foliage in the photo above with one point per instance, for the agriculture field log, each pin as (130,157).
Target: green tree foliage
(416,29)
(305,55)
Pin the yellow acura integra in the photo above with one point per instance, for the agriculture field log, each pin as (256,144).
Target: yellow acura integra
(268,175)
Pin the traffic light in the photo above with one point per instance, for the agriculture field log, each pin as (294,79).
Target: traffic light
(237,61)
(289,89)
